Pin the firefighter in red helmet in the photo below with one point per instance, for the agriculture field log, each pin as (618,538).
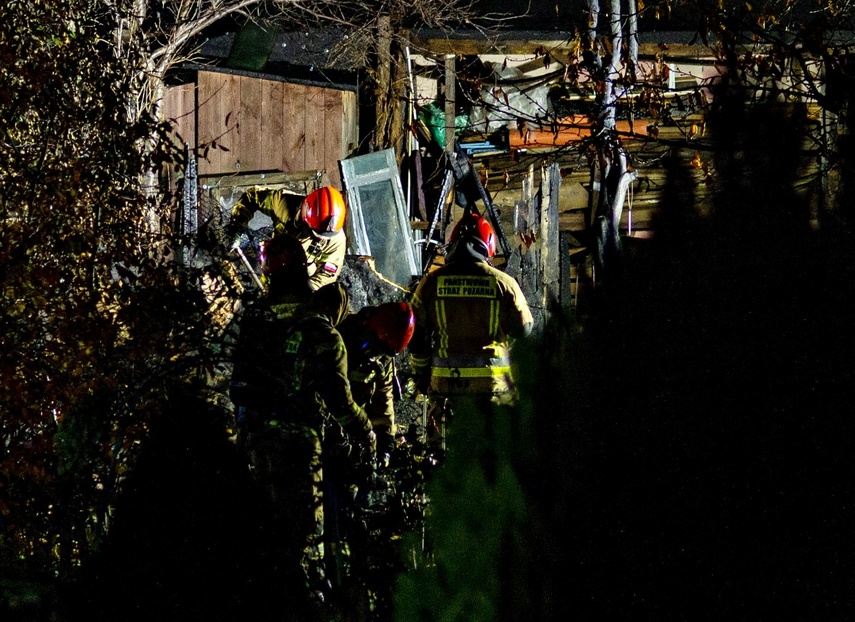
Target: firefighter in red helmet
(317,220)
(321,230)
(295,393)
(374,336)
(266,320)
(467,313)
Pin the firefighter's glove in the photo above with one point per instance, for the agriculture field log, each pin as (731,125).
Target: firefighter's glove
(370,442)
(240,239)
(410,388)
(386,444)
(366,446)
(365,438)
(338,441)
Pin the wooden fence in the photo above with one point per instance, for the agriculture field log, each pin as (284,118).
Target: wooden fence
(241,122)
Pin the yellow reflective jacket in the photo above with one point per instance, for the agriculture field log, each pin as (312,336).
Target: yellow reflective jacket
(325,256)
(466,314)
(324,253)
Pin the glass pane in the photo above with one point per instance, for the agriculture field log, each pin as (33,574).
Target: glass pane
(369,163)
(379,211)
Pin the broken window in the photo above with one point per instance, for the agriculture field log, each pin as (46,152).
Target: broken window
(377,221)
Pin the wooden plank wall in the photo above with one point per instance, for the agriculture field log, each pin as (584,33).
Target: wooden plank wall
(179,104)
(248,124)
(294,131)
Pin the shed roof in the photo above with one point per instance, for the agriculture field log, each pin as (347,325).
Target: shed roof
(312,48)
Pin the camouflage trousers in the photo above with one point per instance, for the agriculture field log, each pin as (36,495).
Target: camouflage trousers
(286,463)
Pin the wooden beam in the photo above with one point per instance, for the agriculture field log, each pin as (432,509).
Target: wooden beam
(558,48)
(450,87)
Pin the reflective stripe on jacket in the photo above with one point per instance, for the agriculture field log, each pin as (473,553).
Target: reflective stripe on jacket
(466,314)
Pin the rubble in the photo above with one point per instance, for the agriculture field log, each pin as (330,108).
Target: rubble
(366,286)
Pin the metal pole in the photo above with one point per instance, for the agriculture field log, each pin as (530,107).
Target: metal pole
(190,220)
(249,267)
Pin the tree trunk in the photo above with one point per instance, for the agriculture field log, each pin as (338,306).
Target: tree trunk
(450,97)
(151,176)
(383,87)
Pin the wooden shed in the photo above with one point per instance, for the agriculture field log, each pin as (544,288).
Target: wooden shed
(242,122)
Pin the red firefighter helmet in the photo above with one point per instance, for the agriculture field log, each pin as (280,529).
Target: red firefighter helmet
(392,324)
(324,210)
(476,228)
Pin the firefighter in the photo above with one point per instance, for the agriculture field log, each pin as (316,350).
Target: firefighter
(373,337)
(467,312)
(256,377)
(259,393)
(319,399)
(317,221)
(302,373)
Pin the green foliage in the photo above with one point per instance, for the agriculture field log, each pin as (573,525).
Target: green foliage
(97,320)
(478,524)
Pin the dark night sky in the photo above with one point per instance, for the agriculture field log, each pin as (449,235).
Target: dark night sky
(568,14)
